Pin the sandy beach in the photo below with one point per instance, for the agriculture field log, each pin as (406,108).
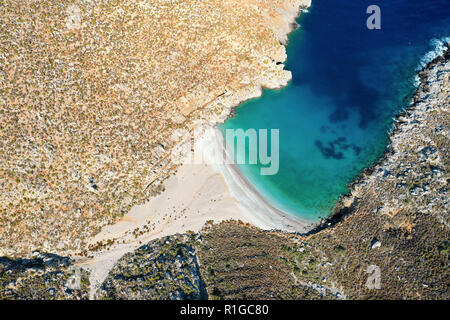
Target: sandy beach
(197,193)
(250,201)
(212,191)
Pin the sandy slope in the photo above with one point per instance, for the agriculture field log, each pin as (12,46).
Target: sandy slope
(196,194)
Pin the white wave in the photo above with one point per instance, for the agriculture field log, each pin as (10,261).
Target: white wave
(439,46)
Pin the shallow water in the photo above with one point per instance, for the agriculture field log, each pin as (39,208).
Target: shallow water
(348,83)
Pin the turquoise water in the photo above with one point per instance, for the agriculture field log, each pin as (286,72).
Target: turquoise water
(348,83)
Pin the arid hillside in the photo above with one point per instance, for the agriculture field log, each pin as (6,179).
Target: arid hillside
(91,93)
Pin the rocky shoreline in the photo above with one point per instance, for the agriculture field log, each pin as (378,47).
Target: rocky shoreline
(346,203)
(395,217)
(397,223)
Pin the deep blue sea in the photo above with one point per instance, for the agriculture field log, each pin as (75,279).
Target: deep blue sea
(348,84)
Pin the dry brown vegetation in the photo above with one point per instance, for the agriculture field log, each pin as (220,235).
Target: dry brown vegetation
(91,92)
(239,261)
(396,220)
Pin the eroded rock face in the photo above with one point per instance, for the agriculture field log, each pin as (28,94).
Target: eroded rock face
(166,268)
(43,276)
(90,90)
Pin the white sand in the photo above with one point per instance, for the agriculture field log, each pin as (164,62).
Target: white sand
(251,203)
(196,194)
